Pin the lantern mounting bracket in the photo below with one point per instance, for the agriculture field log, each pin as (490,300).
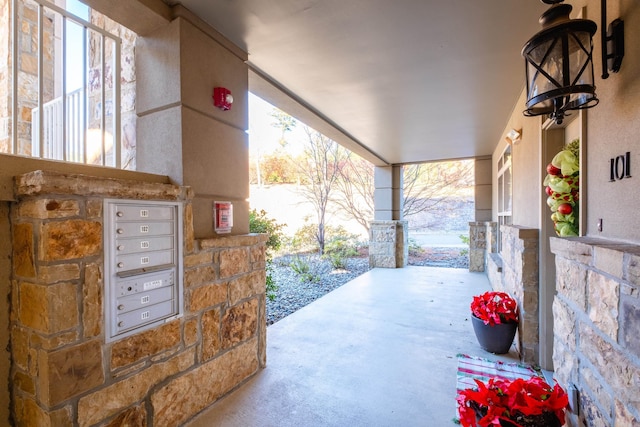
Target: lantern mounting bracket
(612,40)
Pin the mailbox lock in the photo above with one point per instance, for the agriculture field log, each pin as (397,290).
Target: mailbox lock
(120,324)
(120,247)
(121,307)
(119,213)
(119,231)
(120,264)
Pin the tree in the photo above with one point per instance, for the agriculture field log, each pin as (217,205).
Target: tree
(273,171)
(355,190)
(284,122)
(425,186)
(319,168)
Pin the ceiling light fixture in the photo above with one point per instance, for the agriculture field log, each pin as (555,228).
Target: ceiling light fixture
(559,61)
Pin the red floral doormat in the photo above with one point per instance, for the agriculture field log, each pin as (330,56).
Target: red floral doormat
(470,368)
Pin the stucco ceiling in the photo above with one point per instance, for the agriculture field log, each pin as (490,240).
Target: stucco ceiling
(410,80)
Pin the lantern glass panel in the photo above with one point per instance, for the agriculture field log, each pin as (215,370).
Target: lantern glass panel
(579,55)
(551,63)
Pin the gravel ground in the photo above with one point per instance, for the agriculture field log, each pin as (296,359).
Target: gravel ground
(295,290)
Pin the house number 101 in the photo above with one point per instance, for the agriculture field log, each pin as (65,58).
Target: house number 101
(620,167)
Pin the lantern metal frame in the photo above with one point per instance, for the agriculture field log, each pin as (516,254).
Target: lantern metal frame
(568,37)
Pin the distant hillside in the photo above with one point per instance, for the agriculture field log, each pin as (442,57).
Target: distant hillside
(452,215)
(283,203)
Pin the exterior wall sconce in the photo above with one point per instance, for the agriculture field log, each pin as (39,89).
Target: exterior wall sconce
(513,136)
(222,98)
(559,61)
(612,42)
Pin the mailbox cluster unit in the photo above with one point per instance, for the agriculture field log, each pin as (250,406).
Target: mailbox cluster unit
(143,265)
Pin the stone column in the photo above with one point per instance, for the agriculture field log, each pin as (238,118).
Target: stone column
(388,234)
(482,242)
(388,244)
(477,246)
(520,276)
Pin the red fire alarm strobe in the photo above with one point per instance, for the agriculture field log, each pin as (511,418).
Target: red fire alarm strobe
(222,98)
(223,217)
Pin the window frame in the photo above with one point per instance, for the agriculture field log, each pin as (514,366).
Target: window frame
(66,16)
(505,192)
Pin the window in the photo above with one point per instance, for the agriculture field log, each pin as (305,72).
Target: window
(504,192)
(71,90)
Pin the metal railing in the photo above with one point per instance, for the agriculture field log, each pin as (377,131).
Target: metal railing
(54,144)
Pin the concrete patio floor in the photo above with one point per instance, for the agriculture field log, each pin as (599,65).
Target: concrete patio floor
(378,351)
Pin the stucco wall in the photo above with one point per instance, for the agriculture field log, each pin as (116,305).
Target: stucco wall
(613,128)
(202,146)
(527,178)
(610,129)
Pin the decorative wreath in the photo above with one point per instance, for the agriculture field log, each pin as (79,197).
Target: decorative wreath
(562,185)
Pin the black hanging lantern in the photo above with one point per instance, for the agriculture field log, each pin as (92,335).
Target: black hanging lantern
(559,64)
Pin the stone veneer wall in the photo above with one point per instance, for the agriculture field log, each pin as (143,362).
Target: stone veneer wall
(597,328)
(482,243)
(127,99)
(63,373)
(388,244)
(519,277)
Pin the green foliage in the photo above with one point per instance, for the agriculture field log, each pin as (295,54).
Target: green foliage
(414,247)
(272,288)
(260,223)
(337,239)
(465,239)
(304,239)
(340,246)
(301,266)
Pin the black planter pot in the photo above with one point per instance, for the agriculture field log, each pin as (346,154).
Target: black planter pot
(495,339)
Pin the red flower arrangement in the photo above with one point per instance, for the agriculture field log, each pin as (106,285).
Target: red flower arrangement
(494,308)
(516,403)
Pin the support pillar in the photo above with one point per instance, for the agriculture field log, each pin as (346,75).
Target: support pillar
(482,232)
(482,242)
(185,136)
(477,246)
(388,233)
